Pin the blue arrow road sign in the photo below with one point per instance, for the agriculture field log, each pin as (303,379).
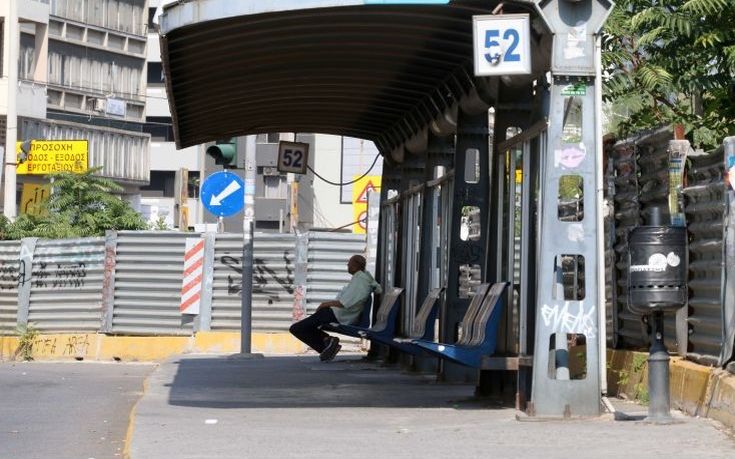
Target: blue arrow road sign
(223,194)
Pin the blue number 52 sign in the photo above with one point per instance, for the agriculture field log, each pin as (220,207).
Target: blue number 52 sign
(502,45)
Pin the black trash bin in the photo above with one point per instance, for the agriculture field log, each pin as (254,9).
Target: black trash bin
(658,266)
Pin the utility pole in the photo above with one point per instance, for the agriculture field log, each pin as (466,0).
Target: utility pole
(246,324)
(11,135)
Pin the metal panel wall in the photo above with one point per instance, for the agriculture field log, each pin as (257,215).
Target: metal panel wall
(628,328)
(9,280)
(705,206)
(66,285)
(148,277)
(642,183)
(273,272)
(327,266)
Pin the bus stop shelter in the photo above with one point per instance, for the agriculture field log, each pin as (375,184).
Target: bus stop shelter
(517,154)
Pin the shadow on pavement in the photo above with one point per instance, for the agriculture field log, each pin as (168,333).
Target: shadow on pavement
(305,382)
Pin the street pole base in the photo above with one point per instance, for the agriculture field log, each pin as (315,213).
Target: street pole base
(246,356)
(661,420)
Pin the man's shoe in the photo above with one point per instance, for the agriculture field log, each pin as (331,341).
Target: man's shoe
(331,350)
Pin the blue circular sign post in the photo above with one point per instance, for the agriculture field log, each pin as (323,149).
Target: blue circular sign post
(223,194)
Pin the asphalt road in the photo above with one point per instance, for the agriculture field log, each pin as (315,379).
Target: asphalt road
(67,410)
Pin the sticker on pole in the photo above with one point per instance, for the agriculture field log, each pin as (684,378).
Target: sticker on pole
(293,157)
(223,194)
(502,44)
(191,288)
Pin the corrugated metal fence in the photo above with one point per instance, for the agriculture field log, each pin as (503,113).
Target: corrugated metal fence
(149,269)
(640,175)
(273,268)
(327,265)
(130,282)
(10,268)
(66,285)
(705,211)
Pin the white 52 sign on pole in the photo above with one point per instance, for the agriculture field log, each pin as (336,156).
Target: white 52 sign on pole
(293,157)
(502,44)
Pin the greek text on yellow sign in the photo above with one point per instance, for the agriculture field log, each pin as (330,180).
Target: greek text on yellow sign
(53,156)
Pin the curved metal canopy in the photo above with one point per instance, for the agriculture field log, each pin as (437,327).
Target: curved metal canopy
(366,69)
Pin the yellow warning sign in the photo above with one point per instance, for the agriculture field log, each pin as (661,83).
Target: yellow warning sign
(53,156)
(33,199)
(360,190)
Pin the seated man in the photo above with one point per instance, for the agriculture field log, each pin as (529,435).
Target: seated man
(345,309)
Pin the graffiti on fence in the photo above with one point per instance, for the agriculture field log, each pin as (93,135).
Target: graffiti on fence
(65,275)
(263,277)
(8,276)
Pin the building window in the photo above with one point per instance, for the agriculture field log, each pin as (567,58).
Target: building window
(155,73)
(268,138)
(160,128)
(162,185)
(152,26)
(193,184)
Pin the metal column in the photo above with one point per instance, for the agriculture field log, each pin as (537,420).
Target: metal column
(440,152)
(386,264)
(471,188)
(412,171)
(564,315)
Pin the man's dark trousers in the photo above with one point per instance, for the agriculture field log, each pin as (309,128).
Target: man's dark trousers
(307,330)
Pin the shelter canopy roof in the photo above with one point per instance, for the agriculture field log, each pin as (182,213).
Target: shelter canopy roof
(370,69)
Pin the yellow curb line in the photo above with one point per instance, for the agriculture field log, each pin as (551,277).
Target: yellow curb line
(131,419)
(100,347)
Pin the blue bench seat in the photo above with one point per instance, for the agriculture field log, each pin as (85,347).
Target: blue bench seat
(422,327)
(479,329)
(385,321)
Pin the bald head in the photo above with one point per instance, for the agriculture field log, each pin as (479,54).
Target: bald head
(356,263)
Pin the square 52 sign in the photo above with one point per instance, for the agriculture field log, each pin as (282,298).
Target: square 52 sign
(502,44)
(293,157)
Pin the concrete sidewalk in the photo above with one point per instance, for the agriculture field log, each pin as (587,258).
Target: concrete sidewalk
(217,407)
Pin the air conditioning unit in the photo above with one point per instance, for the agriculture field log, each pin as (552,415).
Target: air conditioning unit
(100,105)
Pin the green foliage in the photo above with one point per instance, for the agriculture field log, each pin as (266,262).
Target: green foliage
(81,205)
(639,362)
(641,393)
(671,62)
(624,377)
(27,336)
(159,225)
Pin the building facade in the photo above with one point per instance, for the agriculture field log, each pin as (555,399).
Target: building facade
(80,76)
(91,69)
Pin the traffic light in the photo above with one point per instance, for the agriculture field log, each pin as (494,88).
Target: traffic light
(224,153)
(25,149)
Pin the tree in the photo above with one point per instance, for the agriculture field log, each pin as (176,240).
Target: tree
(671,61)
(81,205)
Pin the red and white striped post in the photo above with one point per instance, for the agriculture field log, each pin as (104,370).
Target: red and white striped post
(191,289)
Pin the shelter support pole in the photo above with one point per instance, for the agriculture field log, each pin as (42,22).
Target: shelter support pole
(467,251)
(385,264)
(511,248)
(412,172)
(568,301)
(440,154)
